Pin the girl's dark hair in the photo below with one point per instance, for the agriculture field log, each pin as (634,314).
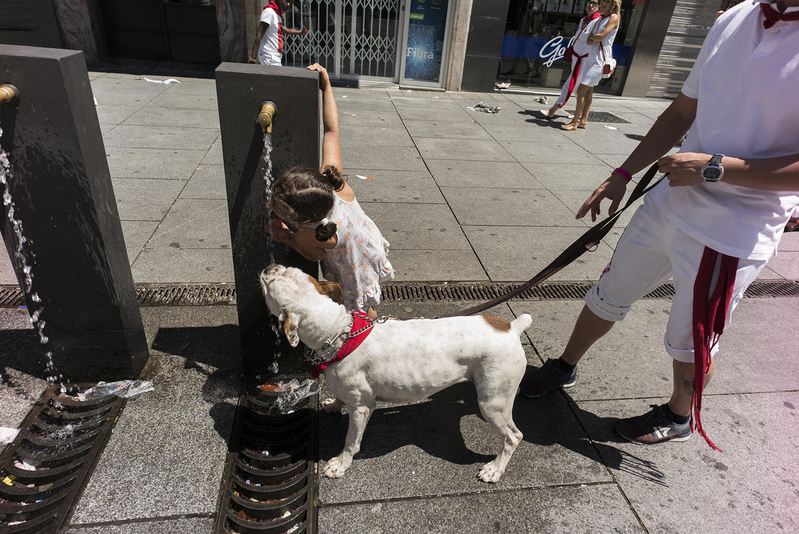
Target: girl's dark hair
(301,196)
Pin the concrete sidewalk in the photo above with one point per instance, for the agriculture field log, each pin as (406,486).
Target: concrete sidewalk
(462,196)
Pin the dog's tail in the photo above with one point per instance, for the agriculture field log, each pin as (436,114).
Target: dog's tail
(520,324)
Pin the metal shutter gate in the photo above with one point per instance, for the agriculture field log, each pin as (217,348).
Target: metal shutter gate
(689,25)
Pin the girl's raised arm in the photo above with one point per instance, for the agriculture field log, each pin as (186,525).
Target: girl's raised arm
(331,146)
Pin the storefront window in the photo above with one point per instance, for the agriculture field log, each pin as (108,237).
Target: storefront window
(537,33)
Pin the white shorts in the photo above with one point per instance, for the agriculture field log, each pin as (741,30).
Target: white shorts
(270,59)
(650,252)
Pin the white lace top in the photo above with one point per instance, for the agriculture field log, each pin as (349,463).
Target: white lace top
(359,262)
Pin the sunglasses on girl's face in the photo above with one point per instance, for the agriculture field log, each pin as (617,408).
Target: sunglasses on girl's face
(591,4)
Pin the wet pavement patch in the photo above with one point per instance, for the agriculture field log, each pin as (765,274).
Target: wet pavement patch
(44,471)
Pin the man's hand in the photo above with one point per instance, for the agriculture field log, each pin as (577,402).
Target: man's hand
(683,168)
(613,188)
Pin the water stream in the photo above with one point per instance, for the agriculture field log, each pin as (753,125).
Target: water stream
(270,242)
(6,176)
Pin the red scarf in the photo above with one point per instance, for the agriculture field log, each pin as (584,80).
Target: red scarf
(360,321)
(273,5)
(772,17)
(576,70)
(709,315)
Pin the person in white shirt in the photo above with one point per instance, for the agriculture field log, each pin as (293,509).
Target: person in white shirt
(715,219)
(267,48)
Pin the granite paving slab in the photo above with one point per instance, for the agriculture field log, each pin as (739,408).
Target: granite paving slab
(166,455)
(144,199)
(750,485)
(415,226)
(172,265)
(578,509)
(170,164)
(511,253)
(394,186)
(507,207)
(420,265)
(464,149)
(497,174)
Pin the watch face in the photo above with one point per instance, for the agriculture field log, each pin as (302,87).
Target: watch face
(711,174)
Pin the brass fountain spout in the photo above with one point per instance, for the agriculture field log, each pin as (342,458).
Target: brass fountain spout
(8,93)
(268,110)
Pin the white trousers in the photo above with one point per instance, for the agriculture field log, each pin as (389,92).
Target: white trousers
(650,252)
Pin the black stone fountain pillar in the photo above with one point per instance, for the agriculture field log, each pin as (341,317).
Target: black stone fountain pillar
(296,140)
(61,194)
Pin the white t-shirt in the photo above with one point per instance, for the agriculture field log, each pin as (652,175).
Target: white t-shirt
(746,82)
(271,50)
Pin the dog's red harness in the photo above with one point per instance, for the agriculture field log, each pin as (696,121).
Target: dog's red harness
(361,326)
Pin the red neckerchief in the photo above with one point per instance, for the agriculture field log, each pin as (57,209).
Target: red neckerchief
(709,315)
(273,5)
(772,17)
(576,69)
(360,321)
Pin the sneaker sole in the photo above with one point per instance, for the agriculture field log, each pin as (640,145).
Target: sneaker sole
(676,438)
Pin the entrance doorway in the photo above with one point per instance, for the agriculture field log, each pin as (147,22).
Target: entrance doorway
(400,41)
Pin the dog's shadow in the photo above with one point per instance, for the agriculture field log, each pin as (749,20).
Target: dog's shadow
(433,425)
(436,426)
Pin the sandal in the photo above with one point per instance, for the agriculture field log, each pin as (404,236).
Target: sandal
(582,124)
(569,127)
(546,117)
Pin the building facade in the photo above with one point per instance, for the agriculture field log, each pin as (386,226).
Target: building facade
(454,45)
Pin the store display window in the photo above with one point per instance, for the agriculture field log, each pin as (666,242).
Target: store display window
(537,33)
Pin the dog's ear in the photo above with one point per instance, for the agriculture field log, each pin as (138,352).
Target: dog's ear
(290,327)
(332,290)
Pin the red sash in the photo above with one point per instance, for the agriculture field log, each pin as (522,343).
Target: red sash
(576,70)
(709,315)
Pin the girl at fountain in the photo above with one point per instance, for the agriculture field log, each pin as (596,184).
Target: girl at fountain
(319,217)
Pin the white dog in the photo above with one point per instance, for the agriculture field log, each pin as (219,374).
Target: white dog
(401,361)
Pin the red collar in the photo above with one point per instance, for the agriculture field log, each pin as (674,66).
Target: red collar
(361,327)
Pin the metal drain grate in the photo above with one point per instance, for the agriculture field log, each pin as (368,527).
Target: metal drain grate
(43,472)
(225,294)
(269,478)
(186,294)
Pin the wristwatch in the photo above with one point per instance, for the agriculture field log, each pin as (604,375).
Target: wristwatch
(713,171)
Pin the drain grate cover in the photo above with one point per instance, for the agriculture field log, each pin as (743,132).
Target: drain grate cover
(43,472)
(269,477)
(225,294)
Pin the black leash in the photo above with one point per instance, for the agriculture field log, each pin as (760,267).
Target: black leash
(586,242)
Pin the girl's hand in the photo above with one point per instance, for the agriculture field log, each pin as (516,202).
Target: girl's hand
(324,79)
(279,231)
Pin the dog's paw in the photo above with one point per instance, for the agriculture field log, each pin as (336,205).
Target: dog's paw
(490,473)
(335,468)
(332,405)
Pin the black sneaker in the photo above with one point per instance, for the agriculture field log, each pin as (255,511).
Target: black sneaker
(655,426)
(538,381)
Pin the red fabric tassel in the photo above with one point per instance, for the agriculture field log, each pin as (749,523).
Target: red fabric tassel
(709,316)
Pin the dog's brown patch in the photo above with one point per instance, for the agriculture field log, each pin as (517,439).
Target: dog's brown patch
(498,323)
(328,289)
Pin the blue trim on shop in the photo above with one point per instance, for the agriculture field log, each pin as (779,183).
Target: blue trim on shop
(531,47)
